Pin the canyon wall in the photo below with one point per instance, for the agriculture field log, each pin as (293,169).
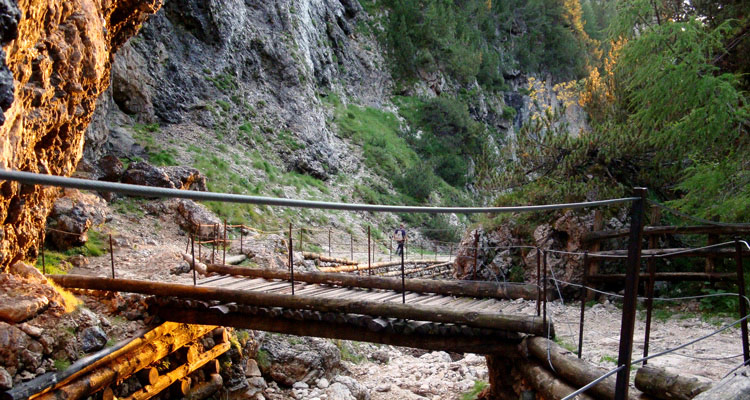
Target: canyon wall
(59,53)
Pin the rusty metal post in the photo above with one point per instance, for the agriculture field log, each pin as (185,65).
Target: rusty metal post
(649,296)
(351,246)
(187,245)
(631,292)
(192,240)
(584,295)
(213,247)
(369,259)
(192,251)
(224,245)
(743,305)
(301,245)
(476,253)
(538,283)
(403,280)
(291,256)
(242,238)
(44,262)
(329,242)
(112,256)
(544,288)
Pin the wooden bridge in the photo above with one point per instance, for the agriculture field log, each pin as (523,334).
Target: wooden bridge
(456,316)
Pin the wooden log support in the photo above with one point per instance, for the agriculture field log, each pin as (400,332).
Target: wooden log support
(666,385)
(545,382)
(479,289)
(417,270)
(383,264)
(509,323)
(599,235)
(182,372)
(669,277)
(724,252)
(574,370)
(316,256)
(127,363)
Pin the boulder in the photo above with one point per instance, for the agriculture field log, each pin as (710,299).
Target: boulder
(72,216)
(110,168)
(26,271)
(13,342)
(20,309)
(92,339)
(6,382)
(736,386)
(338,391)
(198,219)
(357,390)
(186,178)
(304,361)
(145,174)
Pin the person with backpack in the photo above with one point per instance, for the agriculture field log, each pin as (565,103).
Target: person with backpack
(400,237)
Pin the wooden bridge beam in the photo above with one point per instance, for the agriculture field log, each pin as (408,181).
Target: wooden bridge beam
(459,344)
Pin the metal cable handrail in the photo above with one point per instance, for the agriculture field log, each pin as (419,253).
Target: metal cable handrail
(147,191)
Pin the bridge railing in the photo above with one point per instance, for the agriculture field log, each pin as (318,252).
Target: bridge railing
(632,257)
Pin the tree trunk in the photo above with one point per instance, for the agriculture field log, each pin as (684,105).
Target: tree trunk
(544,382)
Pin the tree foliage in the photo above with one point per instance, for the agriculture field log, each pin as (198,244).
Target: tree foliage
(667,113)
(480,40)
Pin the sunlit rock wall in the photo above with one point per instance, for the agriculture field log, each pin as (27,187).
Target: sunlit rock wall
(60,56)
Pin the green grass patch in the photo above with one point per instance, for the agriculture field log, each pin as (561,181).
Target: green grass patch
(349,351)
(57,261)
(61,364)
(377,131)
(475,391)
(609,359)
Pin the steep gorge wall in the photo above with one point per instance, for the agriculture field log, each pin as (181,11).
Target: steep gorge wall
(60,56)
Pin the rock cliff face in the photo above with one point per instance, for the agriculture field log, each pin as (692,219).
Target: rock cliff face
(209,66)
(60,55)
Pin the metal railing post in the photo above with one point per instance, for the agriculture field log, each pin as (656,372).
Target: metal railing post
(112,256)
(476,254)
(44,262)
(369,259)
(403,280)
(544,288)
(631,291)
(213,247)
(192,251)
(584,295)
(329,242)
(649,297)
(291,257)
(351,246)
(224,245)
(242,238)
(538,283)
(743,305)
(390,249)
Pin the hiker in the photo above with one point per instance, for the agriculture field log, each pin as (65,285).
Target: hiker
(400,237)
